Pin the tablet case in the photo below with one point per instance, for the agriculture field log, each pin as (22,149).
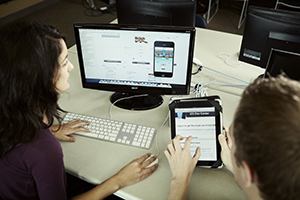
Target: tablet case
(212,100)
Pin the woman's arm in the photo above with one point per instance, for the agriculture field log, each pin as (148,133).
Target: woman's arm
(132,173)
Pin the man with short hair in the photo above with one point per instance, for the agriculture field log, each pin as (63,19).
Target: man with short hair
(262,147)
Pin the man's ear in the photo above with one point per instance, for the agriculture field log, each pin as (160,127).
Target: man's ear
(248,175)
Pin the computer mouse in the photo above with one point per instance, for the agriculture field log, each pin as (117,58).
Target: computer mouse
(153,163)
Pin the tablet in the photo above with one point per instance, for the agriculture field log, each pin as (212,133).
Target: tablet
(200,118)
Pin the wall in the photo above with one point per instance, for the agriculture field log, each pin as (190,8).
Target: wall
(16,9)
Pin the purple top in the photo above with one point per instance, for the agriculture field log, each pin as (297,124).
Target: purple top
(34,170)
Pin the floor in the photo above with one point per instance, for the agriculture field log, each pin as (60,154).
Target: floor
(63,13)
(14,6)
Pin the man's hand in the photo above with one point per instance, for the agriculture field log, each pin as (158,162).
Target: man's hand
(226,144)
(180,160)
(182,165)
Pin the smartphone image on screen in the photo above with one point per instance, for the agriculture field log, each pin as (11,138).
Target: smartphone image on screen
(163,58)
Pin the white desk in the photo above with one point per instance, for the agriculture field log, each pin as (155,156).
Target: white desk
(95,160)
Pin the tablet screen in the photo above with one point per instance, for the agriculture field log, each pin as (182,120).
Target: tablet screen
(200,123)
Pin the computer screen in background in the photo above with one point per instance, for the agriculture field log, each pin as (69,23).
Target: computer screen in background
(131,60)
(157,12)
(283,61)
(267,29)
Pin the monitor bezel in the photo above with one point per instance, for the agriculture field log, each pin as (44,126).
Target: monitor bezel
(274,72)
(176,90)
(158,12)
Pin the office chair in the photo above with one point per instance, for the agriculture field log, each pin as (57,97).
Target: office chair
(216,6)
(211,6)
(288,3)
(200,22)
(243,13)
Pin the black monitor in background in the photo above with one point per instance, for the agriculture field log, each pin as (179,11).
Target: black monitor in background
(157,12)
(148,61)
(283,62)
(267,29)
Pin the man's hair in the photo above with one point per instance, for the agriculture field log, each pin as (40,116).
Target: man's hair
(29,66)
(266,131)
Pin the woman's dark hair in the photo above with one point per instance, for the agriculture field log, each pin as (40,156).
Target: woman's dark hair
(28,69)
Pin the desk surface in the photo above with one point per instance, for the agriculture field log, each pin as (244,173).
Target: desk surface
(95,160)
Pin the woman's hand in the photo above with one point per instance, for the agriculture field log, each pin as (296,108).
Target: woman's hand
(136,171)
(132,173)
(69,128)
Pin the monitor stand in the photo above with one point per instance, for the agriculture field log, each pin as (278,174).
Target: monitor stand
(136,101)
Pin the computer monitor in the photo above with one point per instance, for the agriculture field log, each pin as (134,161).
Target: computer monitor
(283,62)
(267,29)
(157,12)
(148,61)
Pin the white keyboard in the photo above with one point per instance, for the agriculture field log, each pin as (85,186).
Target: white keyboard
(115,131)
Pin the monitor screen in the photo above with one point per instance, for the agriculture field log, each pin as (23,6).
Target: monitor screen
(157,12)
(266,29)
(135,60)
(283,61)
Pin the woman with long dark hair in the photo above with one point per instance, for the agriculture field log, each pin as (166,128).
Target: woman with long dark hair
(34,70)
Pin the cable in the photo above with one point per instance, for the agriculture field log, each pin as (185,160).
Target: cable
(226,60)
(224,84)
(156,135)
(200,90)
(199,69)
(222,74)
(227,75)
(124,98)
